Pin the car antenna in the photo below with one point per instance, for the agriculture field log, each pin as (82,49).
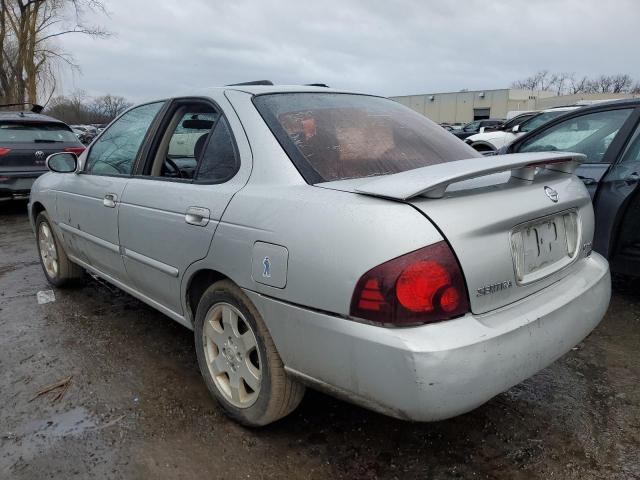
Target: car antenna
(317,85)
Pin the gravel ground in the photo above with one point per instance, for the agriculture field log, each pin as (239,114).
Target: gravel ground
(135,406)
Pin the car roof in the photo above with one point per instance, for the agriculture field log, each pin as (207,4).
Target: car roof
(263,89)
(27,117)
(623,102)
(560,109)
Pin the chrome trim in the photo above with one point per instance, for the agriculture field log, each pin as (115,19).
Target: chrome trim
(150,262)
(87,236)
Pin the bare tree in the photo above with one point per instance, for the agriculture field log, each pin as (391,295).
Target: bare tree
(79,108)
(621,83)
(542,80)
(568,83)
(579,85)
(560,82)
(109,106)
(28,53)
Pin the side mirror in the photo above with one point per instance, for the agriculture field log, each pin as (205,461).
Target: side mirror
(515,129)
(63,162)
(481,130)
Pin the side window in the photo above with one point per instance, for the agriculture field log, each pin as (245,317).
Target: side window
(186,136)
(590,134)
(629,165)
(219,161)
(631,156)
(196,144)
(115,151)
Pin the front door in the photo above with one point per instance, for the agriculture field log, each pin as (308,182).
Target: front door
(170,212)
(617,207)
(89,202)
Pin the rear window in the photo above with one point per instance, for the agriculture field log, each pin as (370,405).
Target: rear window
(332,136)
(19,132)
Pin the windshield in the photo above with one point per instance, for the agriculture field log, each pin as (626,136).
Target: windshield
(332,136)
(19,132)
(540,119)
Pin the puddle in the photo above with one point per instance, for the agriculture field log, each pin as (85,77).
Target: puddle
(73,422)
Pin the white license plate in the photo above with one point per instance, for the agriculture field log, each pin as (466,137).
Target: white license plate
(542,247)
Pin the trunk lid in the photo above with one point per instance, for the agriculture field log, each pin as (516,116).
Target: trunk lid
(517,223)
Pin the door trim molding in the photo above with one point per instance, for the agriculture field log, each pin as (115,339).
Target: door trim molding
(150,262)
(92,238)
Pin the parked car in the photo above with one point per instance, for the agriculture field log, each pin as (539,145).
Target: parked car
(319,238)
(26,140)
(491,141)
(609,135)
(85,133)
(476,126)
(507,125)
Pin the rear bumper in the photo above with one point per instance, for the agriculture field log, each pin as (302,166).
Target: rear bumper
(441,370)
(17,185)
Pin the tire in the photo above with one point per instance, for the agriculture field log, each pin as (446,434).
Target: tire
(229,371)
(59,270)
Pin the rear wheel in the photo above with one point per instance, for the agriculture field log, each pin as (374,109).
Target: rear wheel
(238,359)
(57,267)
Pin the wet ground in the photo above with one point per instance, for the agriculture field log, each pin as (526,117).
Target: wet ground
(133,404)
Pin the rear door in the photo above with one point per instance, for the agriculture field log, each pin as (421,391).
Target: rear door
(88,203)
(171,209)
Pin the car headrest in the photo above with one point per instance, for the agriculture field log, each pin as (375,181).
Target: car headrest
(199,146)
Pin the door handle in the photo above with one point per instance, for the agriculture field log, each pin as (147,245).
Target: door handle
(110,200)
(198,216)
(632,178)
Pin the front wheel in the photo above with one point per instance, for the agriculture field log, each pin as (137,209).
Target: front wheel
(238,359)
(57,267)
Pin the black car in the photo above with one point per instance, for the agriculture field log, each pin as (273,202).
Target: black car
(26,140)
(609,135)
(474,127)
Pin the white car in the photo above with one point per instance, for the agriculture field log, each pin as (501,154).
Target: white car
(492,141)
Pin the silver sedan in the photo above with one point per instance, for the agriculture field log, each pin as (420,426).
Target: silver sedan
(312,237)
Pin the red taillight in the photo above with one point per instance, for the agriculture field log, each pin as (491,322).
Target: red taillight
(424,286)
(76,150)
(4,151)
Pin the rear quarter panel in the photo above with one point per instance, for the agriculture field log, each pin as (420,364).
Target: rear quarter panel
(332,238)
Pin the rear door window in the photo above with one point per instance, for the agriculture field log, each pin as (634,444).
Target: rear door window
(331,136)
(590,134)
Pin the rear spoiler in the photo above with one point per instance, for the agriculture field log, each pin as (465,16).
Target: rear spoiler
(432,181)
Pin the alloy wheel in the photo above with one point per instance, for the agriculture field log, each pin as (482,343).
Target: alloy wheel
(48,252)
(232,354)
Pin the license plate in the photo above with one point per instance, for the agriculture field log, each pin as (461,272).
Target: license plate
(542,247)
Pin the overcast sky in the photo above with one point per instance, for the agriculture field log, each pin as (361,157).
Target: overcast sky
(161,47)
